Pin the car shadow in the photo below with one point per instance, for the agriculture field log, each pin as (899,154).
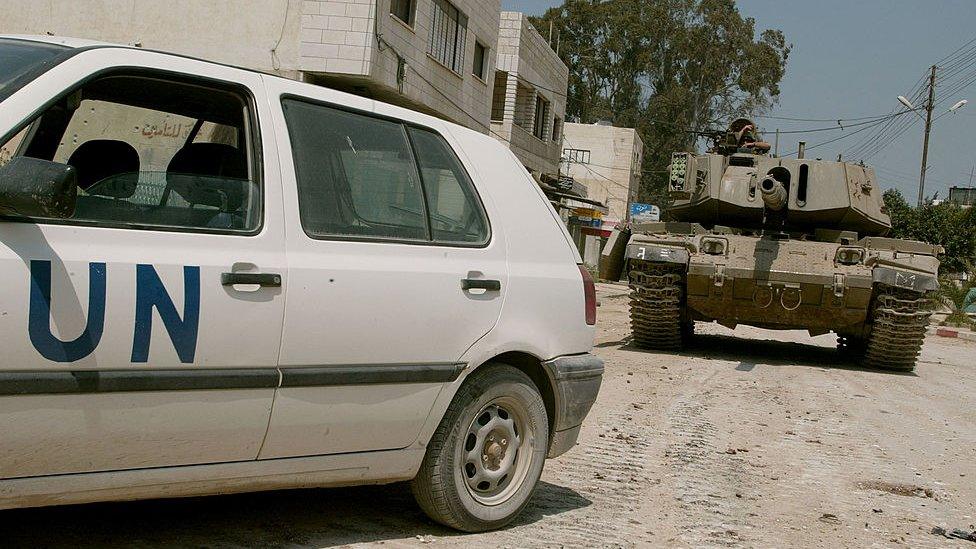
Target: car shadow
(292,518)
(749,353)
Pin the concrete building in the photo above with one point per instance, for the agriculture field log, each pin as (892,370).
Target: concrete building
(607,160)
(435,56)
(529,95)
(964,196)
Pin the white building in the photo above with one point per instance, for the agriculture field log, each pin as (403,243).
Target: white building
(529,98)
(607,160)
(435,56)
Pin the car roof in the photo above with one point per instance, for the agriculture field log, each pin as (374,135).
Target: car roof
(65,41)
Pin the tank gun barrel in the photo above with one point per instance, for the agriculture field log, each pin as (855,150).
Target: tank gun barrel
(773,193)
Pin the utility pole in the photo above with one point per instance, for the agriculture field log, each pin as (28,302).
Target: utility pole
(928,129)
(776,148)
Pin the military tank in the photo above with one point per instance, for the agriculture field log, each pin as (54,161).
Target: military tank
(777,243)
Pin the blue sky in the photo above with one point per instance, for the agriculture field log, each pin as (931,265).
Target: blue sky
(852,59)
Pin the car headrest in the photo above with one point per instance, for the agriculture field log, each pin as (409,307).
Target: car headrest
(209,174)
(100,159)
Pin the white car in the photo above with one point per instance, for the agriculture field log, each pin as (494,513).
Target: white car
(216,280)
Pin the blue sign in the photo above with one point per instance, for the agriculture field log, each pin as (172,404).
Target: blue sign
(636,208)
(644,212)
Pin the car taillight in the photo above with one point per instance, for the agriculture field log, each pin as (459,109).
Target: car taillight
(589,292)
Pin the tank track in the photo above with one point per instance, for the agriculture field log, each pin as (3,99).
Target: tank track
(900,321)
(656,303)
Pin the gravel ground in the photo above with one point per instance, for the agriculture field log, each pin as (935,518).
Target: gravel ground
(747,439)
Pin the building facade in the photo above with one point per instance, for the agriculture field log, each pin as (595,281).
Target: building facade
(964,196)
(529,95)
(607,161)
(434,56)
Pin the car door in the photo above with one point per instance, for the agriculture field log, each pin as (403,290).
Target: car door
(395,272)
(144,330)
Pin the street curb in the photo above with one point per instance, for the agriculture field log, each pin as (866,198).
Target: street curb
(955,333)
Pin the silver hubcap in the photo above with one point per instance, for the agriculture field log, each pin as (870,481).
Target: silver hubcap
(496,452)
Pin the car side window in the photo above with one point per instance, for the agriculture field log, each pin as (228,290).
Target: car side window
(356,175)
(456,215)
(366,177)
(153,153)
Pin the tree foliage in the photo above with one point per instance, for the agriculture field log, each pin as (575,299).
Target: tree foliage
(946,224)
(669,68)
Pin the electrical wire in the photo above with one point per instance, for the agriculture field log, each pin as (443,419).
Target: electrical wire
(844,119)
(847,126)
(822,143)
(867,147)
(947,57)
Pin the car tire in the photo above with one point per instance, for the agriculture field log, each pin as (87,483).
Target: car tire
(485,459)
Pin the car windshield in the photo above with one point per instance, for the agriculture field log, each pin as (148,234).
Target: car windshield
(22,60)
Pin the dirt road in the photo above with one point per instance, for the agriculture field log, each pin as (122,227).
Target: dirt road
(736,442)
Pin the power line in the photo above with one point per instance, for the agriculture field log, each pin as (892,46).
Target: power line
(880,139)
(822,143)
(880,146)
(883,136)
(843,119)
(877,140)
(844,127)
(947,57)
(959,61)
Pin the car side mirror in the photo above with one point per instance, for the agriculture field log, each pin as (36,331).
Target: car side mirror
(31,187)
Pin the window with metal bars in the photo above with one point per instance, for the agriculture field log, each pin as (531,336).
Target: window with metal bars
(578,156)
(448,35)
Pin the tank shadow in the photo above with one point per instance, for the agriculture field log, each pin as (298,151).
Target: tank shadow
(294,518)
(749,354)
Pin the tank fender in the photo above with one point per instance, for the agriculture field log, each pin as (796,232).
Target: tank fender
(658,253)
(902,278)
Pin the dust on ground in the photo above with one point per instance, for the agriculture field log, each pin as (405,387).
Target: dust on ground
(746,439)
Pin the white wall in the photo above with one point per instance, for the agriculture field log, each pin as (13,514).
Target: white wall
(613,173)
(337,36)
(218,30)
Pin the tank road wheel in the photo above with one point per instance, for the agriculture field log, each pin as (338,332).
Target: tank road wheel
(485,458)
(656,306)
(898,331)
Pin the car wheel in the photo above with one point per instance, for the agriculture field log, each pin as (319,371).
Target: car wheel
(486,457)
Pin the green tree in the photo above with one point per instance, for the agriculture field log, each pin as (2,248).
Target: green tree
(670,68)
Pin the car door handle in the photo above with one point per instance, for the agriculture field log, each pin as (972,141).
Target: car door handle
(481,284)
(265,280)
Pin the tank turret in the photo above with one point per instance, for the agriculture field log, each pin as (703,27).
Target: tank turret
(737,183)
